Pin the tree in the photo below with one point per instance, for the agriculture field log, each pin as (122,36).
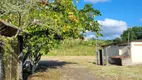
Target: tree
(16,12)
(55,18)
(117,40)
(46,22)
(87,15)
(133,33)
(137,30)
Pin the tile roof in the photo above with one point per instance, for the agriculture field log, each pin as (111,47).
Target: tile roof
(7,29)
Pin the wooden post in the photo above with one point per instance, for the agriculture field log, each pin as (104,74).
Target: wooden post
(103,56)
(97,57)
(96,52)
(20,56)
(107,56)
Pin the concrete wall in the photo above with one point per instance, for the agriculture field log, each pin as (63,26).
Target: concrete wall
(126,61)
(136,52)
(113,50)
(124,51)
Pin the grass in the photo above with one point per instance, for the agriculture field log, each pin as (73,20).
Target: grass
(46,75)
(111,72)
(83,54)
(119,72)
(73,47)
(114,72)
(75,51)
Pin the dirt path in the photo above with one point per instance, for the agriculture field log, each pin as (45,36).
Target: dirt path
(78,73)
(82,68)
(64,68)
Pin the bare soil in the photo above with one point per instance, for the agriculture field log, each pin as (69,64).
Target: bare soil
(64,68)
(82,68)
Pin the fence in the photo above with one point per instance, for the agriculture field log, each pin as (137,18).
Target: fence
(9,63)
(1,70)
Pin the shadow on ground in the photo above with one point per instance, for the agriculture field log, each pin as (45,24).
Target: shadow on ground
(45,65)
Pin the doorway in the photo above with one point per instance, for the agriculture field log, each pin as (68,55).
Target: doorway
(101,57)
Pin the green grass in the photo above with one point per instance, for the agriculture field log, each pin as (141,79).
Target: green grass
(49,74)
(113,72)
(118,72)
(73,47)
(75,51)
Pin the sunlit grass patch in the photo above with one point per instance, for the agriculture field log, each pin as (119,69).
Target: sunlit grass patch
(117,72)
(50,74)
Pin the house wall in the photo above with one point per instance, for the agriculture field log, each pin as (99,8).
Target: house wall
(126,61)
(104,55)
(112,50)
(124,51)
(136,52)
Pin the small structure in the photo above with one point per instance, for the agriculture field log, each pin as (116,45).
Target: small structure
(7,29)
(121,53)
(10,72)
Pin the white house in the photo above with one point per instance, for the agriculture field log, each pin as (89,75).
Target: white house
(121,53)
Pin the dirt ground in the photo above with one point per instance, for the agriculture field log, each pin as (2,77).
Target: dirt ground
(64,68)
(82,68)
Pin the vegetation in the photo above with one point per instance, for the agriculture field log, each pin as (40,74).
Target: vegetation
(117,40)
(9,57)
(134,33)
(85,66)
(47,22)
(44,23)
(72,47)
(7,48)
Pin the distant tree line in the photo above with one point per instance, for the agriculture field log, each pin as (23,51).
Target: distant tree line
(134,33)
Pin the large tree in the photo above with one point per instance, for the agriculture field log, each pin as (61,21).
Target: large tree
(48,21)
(59,20)
(133,33)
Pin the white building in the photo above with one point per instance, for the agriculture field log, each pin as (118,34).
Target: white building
(121,53)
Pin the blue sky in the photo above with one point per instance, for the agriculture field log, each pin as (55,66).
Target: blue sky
(117,15)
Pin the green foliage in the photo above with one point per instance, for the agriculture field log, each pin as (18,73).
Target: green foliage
(16,11)
(117,40)
(133,33)
(77,47)
(7,47)
(46,23)
(54,21)
(87,15)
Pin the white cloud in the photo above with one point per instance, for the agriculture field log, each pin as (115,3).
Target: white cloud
(96,1)
(112,28)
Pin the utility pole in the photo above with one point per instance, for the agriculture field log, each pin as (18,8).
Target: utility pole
(129,34)
(128,37)
(107,56)
(96,51)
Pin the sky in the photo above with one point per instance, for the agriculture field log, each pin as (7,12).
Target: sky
(117,16)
